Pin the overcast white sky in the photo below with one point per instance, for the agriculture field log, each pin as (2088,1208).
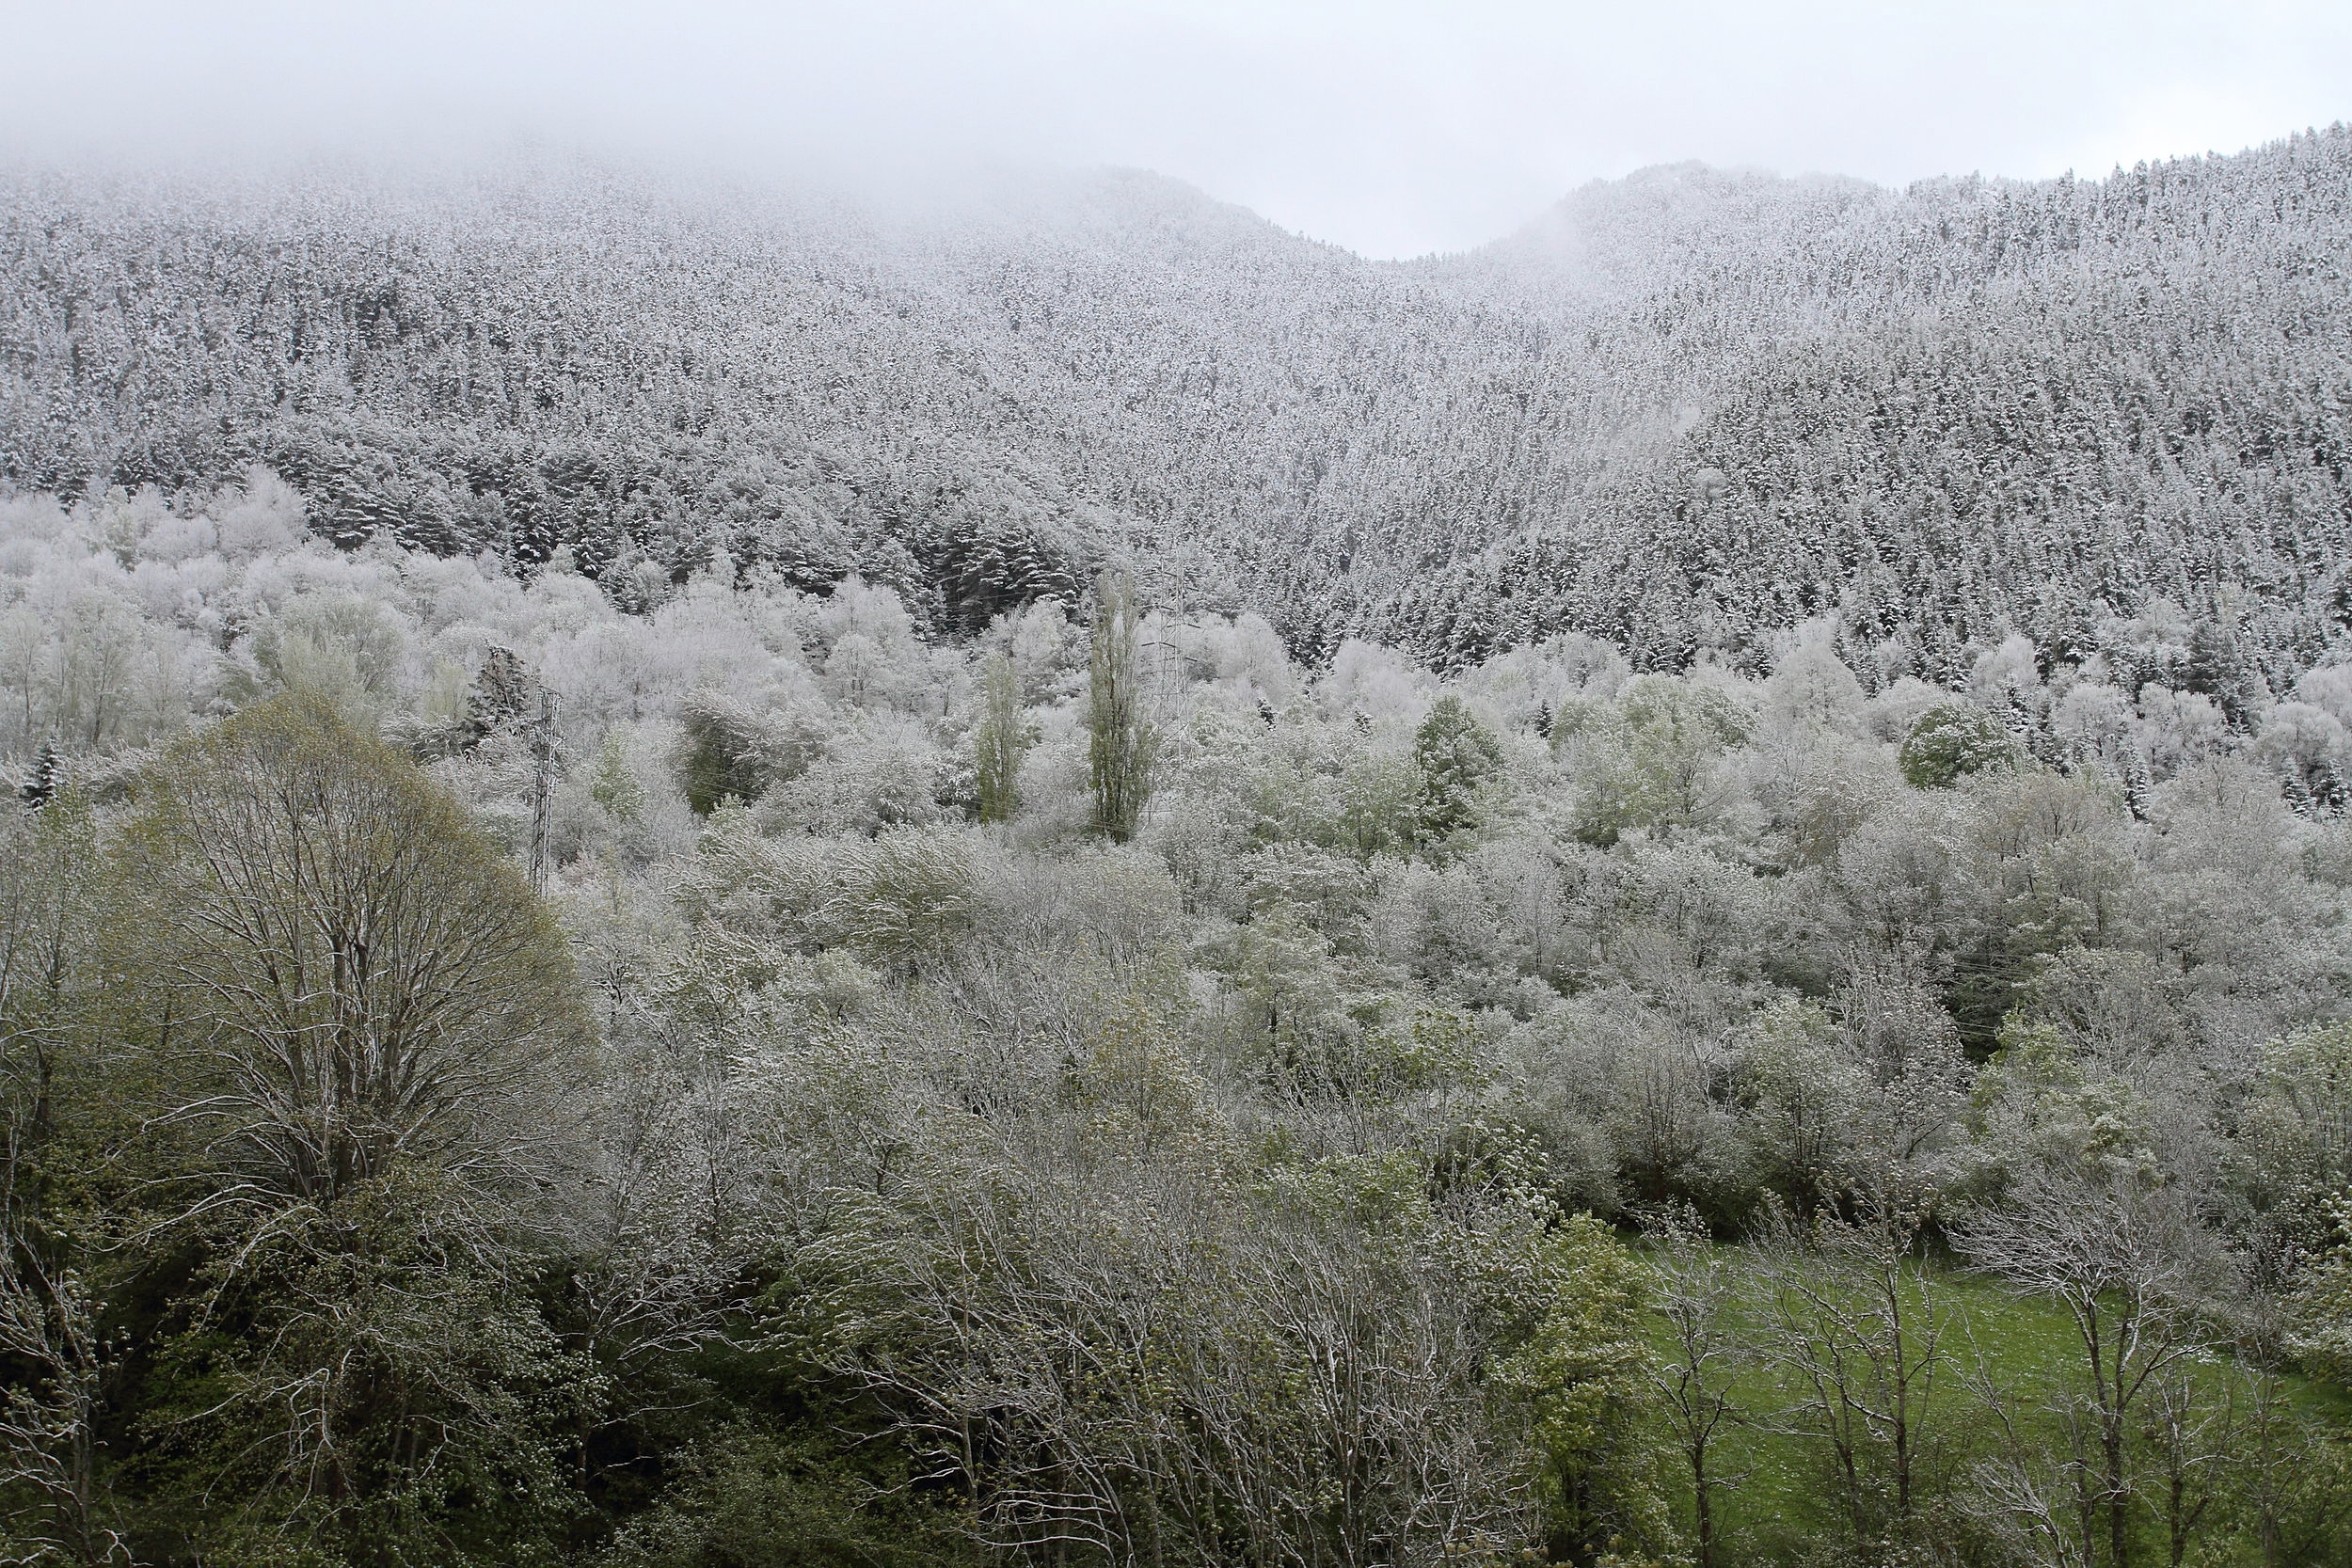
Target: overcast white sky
(1390,127)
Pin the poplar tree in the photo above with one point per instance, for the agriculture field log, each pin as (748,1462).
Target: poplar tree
(1121,741)
(1000,743)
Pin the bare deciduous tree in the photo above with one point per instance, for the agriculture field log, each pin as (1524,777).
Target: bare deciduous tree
(1698,1296)
(1862,1329)
(48,1423)
(1107,1360)
(2129,1263)
(2191,1421)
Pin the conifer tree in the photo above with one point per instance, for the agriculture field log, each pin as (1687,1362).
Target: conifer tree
(501,691)
(48,774)
(1454,756)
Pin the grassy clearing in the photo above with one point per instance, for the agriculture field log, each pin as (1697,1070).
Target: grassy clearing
(1786,1489)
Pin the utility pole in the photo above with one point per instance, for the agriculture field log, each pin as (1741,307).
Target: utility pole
(542,788)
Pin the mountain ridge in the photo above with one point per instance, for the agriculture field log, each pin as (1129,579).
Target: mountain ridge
(1682,411)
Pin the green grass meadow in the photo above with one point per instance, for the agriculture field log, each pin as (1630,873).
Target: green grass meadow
(1784,1497)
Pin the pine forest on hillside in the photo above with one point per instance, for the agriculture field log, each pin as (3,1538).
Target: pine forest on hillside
(709,877)
(1687,410)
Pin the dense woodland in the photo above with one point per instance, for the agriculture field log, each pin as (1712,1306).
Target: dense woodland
(1686,413)
(677,1069)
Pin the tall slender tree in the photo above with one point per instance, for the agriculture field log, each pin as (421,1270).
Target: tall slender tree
(1000,742)
(1121,743)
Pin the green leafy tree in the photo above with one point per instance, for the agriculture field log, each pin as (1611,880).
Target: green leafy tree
(1654,765)
(1376,796)
(1122,743)
(1000,742)
(364,1059)
(614,786)
(724,749)
(57,1119)
(1455,759)
(376,1378)
(621,795)
(749,1498)
(354,976)
(1952,741)
(1584,1368)
(2321,1337)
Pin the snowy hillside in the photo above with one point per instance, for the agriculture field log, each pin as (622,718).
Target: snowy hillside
(1680,410)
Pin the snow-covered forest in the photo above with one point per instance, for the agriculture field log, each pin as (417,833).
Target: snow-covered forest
(696,875)
(1102,1090)
(1687,411)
